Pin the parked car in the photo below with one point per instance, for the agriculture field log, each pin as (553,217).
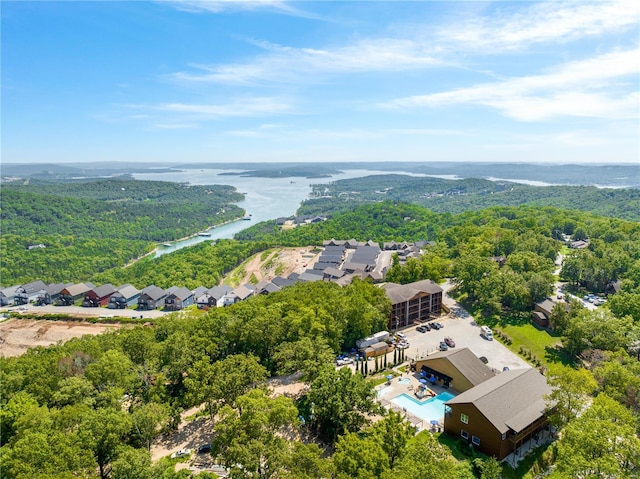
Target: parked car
(450,342)
(181,453)
(343,361)
(421,329)
(426,327)
(204,448)
(435,326)
(443,346)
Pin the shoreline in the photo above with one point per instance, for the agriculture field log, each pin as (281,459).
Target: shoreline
(157,248)
(206,229)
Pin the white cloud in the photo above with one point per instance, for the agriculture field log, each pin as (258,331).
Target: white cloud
(549,21)
(597,87)
(288,64)
(222,6)
(243,107)
(493,33)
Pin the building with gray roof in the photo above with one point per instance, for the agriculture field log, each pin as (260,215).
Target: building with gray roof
(498,415)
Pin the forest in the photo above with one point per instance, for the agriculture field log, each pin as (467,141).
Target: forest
(93,406)
(456,196)
(90,226)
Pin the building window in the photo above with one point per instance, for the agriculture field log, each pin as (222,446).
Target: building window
(475,440)
(504,436)
(464,418)
(464,434)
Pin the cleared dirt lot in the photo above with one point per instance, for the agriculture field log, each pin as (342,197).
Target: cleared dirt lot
(278,262)
(17,335)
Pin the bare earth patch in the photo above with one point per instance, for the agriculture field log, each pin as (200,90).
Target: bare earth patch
(280,262)
(17,335)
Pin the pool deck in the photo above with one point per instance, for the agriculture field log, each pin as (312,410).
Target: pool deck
(395,388)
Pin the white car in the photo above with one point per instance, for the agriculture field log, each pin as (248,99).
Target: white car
(342,362)
(181,453)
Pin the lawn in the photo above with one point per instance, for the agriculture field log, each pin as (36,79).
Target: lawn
(544,345)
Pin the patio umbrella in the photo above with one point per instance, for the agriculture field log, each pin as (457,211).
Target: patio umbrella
(434,422)
(423,381)
(389,377)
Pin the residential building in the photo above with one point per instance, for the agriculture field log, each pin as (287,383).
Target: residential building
(97,297)
(125,296)
(411,302)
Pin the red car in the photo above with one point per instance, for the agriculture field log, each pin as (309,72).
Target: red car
(450,342)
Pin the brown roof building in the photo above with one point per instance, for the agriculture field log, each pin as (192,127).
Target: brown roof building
(411,302)
(498,415)
(459,369)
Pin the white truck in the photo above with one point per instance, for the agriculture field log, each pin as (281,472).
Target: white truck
(374,338)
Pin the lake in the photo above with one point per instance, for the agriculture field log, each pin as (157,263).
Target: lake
(265,198)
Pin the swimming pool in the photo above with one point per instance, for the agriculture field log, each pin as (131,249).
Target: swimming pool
(428,410)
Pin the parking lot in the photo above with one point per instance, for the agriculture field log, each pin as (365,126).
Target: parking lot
(466,334)
(460,326)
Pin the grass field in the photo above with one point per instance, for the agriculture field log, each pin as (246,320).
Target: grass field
(542,344)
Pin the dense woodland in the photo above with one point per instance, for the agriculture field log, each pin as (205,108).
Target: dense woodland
(92,226)
(93,406)
(457,196)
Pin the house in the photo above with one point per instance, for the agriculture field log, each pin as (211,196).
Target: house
(281,282)
(151,297)
(334,242)
(97,297)
(265,287)
(238,294)
(71,294)
(8,295)
(51,293)
(540,319)
(124,297)
(213,297)
(177,299)
(459,369)
(498,415)
(29,292)
(199,291)
(411,302)
(579,244)
(333,273)
(613,287)
(500,260)
(311,275)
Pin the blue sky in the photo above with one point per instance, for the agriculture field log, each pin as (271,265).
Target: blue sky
(237,81)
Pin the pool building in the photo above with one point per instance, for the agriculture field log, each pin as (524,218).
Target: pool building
(501,414)
(497,414)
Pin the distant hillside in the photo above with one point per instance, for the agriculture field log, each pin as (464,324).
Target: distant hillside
(90,226)
(457,196)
